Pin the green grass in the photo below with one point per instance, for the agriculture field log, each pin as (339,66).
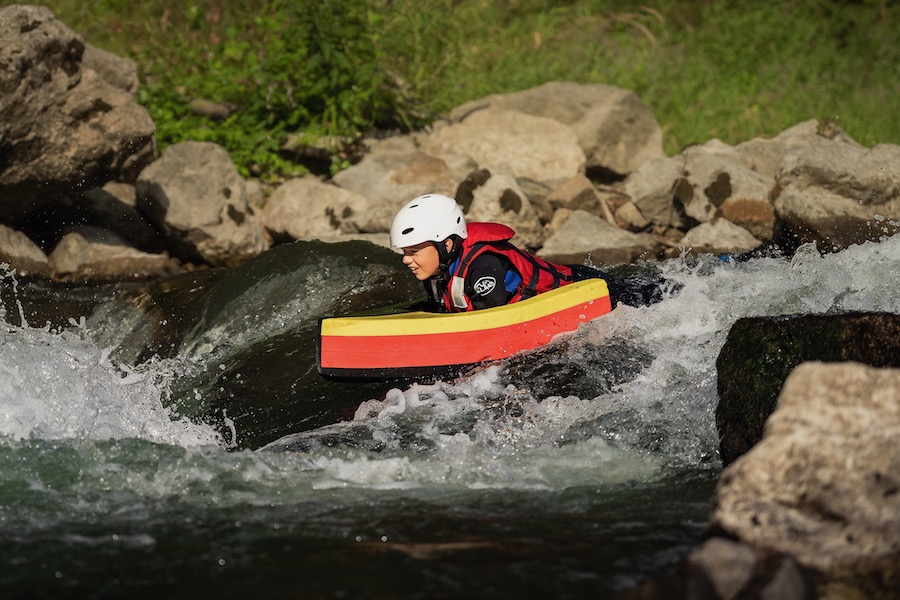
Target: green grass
(731,70)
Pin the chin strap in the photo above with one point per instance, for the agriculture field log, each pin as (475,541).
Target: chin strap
(446,257)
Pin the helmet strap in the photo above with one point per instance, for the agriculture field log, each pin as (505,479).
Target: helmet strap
(448,256)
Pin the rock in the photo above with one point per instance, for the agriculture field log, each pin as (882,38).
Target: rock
(725,569)
(21,254)
(728,565)
(755,215)
(735,570)
(534,147)
(719,237)
(588,237)
(764,155)
(823,484)
(394,173)
(715,181)
(576,193)
(760,352)
(212,110)
(500,199)
(651,189)
(195,195)
(91,254)
(616,131)
(629,217)
(116,70)
(114,207)
(838,193)
(64,127)
(306,209)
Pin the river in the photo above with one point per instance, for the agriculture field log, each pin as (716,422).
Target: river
(173,440)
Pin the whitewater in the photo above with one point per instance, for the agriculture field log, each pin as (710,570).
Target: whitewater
(574,471)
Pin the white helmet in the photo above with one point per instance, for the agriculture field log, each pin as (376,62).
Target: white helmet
(428,218)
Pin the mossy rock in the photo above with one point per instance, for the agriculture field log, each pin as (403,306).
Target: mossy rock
(760,352)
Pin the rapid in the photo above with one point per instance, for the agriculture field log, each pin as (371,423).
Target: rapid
(175,440)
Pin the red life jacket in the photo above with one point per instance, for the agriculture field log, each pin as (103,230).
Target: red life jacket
(538,275)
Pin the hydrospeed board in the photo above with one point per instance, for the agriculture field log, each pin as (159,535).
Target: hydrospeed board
(410,344)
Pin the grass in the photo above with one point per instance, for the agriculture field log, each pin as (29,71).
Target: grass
(731,70)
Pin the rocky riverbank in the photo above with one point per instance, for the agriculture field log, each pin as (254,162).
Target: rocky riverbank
(578,170)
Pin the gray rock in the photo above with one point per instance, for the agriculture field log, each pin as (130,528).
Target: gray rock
(538,148)
(395,172)
(838,193)
(764,155)
(822,485)
(93,254)
(729,566)
(651,189)
(116,70)
(631,217)
(196,197)
(500,199)
(615,129)
(720,236)
(306,208)
(114,207)
(717,181)
(586,237)
(578,192)
(65,126)
(760,352)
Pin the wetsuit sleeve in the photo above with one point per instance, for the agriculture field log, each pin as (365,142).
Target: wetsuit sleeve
(485,281)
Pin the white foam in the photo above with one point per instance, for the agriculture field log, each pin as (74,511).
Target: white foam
(60,386)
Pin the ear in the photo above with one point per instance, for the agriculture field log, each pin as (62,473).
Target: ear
(448,244)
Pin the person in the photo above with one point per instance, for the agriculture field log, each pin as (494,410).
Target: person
(471,266)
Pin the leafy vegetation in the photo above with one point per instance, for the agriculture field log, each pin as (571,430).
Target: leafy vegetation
(326,73)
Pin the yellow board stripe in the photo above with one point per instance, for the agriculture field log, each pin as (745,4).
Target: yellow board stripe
(419,323)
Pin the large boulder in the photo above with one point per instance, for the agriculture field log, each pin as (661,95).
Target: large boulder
(837,193)
(532,147)
(760,352)
(196,197)
(764,155)
(306,208)
(65,125)
(395,171)
(822,485)
(616,131)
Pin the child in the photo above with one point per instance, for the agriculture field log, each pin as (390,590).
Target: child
(470,266)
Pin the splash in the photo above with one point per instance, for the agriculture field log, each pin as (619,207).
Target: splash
(58,385)
(658,418)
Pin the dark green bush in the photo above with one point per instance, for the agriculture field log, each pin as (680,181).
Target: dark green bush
(312,69)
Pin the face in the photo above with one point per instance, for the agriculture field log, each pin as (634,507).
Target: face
(423,260)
